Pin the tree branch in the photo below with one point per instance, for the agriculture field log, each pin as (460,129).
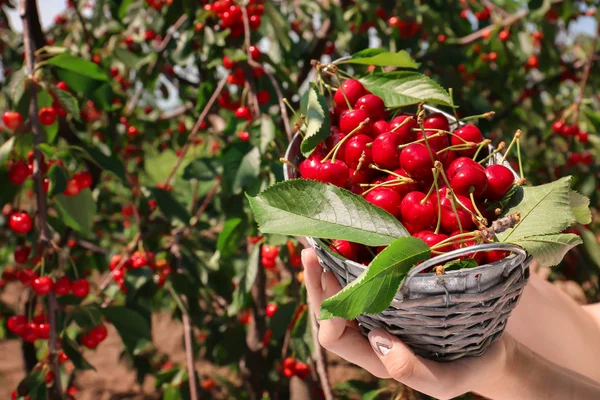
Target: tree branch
(586,75)
(316,50)
(320,358)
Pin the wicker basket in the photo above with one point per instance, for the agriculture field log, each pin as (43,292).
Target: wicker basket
(459,313)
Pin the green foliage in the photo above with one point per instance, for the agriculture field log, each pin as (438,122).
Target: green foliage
(317,121)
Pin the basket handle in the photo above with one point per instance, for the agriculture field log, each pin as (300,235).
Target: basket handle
(520,253)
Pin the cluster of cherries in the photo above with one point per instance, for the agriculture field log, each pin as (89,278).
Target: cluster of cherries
(230,15)
(424,175)
(119,266)
(43,285)
(293,367)
(269,253)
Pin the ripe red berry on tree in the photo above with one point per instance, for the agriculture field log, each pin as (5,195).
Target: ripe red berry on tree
(20,222)
(47,116)
(12,120)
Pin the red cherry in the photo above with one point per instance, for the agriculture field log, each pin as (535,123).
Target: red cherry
(449,219)
(500,180)
(47,116)
(243,135)
(21,254)
(558,127)
(459,163)
(350,121)
(336,173)
(379,127)
(504,35)
(263,96)
(88,341)
(436,121)
(532,62)
(352,89)
(18,172)
(73,188)
(84,179)
(26,276)
(30,334)
(42,285)
(267,251)
(62,286)
(268,262)
(62,86)
(469,179)
(243,113)
(354,149)
(227,63)
(570,130)
(385,150)
(271,309)
(288,373)
(254,52)
(12,120)
(16,324)
(583,137)
(495,255)
(432,238)
(289,362)
(469,133)
(336,136)
(347,249)
(385,198)
(43,330)
(407,131)
(133,131)
(309,167)
(417,214)
(49,378)
(98,333)
(20,222)
(416,161)
(80,288)
(373,105)
(301,370)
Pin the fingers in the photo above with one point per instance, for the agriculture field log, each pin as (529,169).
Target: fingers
(349,344)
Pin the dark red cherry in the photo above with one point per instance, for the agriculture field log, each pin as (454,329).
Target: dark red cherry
(20,222)
(354,149)
(352,89)
(385,198)
(459,163)
(469,179)
(347,249)
(373,105)
(432,238)
(26,276)
(495,255)
(21,254)
(42,285)
(385,150)
(336,173)
(16,324)
(416,214)
(469,133)
(336,136)
(62,286)
(558,127)
(350,120)
(416,161)
(18,172)
(80,287)
(436,121)
(309,167)
(500,180)
(449,220)
(379,127)
(407,131)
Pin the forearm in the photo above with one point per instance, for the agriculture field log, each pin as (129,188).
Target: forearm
(530,376)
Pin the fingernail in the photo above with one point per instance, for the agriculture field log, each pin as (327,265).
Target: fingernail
(380,341)
(324,280)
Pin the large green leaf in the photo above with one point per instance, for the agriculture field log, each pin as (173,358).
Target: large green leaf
(77,211)
(309,208)
(16,85)
(544,209)
(202,169)
(68,102)
(230,236)
(6,149)
(58,180)
(279,24)
(549,250)
(403,88)
(240,169)
(170,207)
(132,326)
(373,290)
(381,57)
(317,121)
(78,65)
(580,205)
(109,162)
(75,356)
(241,294)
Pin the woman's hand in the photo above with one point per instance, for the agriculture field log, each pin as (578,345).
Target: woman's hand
(507,370)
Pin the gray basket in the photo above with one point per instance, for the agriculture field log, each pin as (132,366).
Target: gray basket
(459,313)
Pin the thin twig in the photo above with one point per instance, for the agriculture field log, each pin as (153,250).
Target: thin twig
(196,128)
(211,194)
(320,358)
(176,112)
(91,246)
(586,75)
(316,50)
(86,33)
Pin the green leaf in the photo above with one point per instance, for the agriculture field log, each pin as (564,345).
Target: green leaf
(110,162)
(172,393)
(132,326)
(317,121)
(549,250)
(544,209)
(267,133)
(239,169)
(202,169)
(373,290)
(170,207)
(235,55)
(5,149)
(308,208)
(45,100)
(77,211)
(591,245)
(535,4)
(381,57)
(58,180)
(71,350)
(580,205)
(403,88)
(279,24)
(78,65)
(128,59)
(241,297)
(16,85)
(69,102)
(230,237)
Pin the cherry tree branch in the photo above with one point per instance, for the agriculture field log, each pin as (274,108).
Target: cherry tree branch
(320,358)
(586,75)
(316,50)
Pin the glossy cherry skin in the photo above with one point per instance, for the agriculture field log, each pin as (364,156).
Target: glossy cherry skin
(431,239)
(347,249)
(449,220)
(415,214)
(385,198)
(12,119)
(337,173)
(500,180)
(436,121)
(16,324)
(385,150)
(469,179)
(350,120)
(42,285)
(404,188)
(98,333)
(495,255)
(26,276)
(47,116)
(407,131)
(379,127)
(352,89)
(30,334)
(416,161)
(80,288)
(20,222)
(373,105)
(21,254)
(84,179)
(459,163)
(62,286)
(470,133)
(355,147)
(18,172)
(309,167)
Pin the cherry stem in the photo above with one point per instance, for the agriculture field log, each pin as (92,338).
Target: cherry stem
(433,185)
(483,219)
(497,150)
(361,160)
(463,237)
(406,120)
(512,142)
(451,92)
(481,146)
(288,162)
(438,165)
(439,202)
(440,133)
(387,171)
(287,103)
(458,147)
(519,158)
(334,151)
(446,132)
(420,114)
(487,115)
(388,184)
(341,87)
